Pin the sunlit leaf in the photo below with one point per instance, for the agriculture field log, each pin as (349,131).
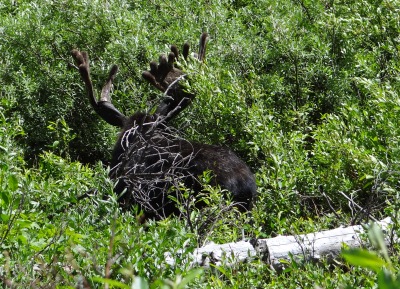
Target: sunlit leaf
(190,277)
(140,283)
(364,258)
(113,283)
(377,239)
(387,281)
(12,183)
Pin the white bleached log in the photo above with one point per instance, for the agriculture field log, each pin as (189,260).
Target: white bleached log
(314,246)
(279,250)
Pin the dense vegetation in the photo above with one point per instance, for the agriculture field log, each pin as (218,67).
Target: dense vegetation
(307,92)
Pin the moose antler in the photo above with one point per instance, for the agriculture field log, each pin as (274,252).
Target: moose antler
(165,77)
(103,107)
(165,73)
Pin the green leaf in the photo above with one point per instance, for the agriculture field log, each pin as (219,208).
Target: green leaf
(24,223)
(190,277)
(22,240)
(387,281)
(12,183)
(364,258)
(5,197)
(377,239)
(140,283)
(113,283)
(4,217)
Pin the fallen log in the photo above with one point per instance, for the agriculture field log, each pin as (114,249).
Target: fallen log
(280,250)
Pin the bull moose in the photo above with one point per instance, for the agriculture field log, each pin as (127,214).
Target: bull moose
(150,161)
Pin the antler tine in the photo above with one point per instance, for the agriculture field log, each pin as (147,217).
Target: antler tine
(104,108)
(175,50)
(151,79)
(85,57)
(105,92)
(171,59)
(202,46)
(185,51)
(82,59)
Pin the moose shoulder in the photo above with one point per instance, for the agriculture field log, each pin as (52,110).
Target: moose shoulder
(150,160)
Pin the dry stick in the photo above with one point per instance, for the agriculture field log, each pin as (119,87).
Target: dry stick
(330,205)
(178,163)
(358,206)
(173,83)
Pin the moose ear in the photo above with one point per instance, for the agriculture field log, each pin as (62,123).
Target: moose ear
(166,77)
(103,107)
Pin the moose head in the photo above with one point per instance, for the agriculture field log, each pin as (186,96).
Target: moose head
(150,161)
